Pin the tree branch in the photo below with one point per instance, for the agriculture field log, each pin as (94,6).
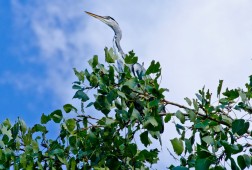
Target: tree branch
(187,108)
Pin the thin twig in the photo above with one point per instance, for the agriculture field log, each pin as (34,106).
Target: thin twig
(187,108)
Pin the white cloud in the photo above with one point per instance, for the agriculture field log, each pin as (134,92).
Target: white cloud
(9,78)
(60,41)
(197,42)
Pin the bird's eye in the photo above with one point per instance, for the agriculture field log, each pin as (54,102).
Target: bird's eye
(112,18)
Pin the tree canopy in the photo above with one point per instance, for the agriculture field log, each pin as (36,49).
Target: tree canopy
(119,117)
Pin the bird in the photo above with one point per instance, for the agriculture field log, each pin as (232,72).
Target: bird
(137,69)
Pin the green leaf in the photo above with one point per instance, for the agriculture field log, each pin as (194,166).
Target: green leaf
(70,124)
(35,146)
(195,105)
(109,121)
(56,151)
(23,160)
(192,115)
(56,116)
(131,149)
(236,148)
(102,104)
(22,125)
(150,156)
(208,139)
(240,127)
(202,125)
(131,58)
(231,94)
(121,94)
(145,139)
(247,160)
(14,130)
(177,145)
(93,80)
(94,61)
(219,88)
(72,141)
(243,96)
(218,168)
(250,80)
(109,55)
(135,115)
(180,116)
(217,128)
(6,138)
(153,68)
(131,83)
(7,123)
(180,127)
(39,128)
(68,108)
(80,75)
(89,104)
(1,166)
(189,102)
(188,145)
(44,119)
(241,162)
(180,168)
(2,145)
(226,119)
(112,95)
(183,161)
(76,87)
(81,95)
(154,103)
(199,97)
(152,121)
(72,163)
(6,132)
(244,161)
(167,118)
(233,164)
(231,148)
(202,164)
(62,159)
(112,75)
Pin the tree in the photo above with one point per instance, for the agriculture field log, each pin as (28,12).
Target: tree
(116,108)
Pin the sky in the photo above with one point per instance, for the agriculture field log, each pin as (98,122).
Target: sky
(197,43)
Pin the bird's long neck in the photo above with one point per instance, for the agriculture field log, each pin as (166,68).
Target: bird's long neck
(119,48)
(117,39)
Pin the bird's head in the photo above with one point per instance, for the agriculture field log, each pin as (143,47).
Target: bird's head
(106,19)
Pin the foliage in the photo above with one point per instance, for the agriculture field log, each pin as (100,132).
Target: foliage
(120,116)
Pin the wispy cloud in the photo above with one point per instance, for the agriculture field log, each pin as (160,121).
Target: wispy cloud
(57,34)
(195,37)
(9,78)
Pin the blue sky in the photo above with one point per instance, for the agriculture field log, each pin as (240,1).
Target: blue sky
(14,101)
(18,87)
(197,42)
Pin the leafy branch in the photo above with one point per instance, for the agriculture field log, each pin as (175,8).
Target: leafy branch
(121,115)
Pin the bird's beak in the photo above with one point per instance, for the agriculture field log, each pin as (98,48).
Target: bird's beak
(101,18)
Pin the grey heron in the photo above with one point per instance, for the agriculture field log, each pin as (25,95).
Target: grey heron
(137,69)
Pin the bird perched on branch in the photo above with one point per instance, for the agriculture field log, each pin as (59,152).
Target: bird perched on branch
(137,69)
